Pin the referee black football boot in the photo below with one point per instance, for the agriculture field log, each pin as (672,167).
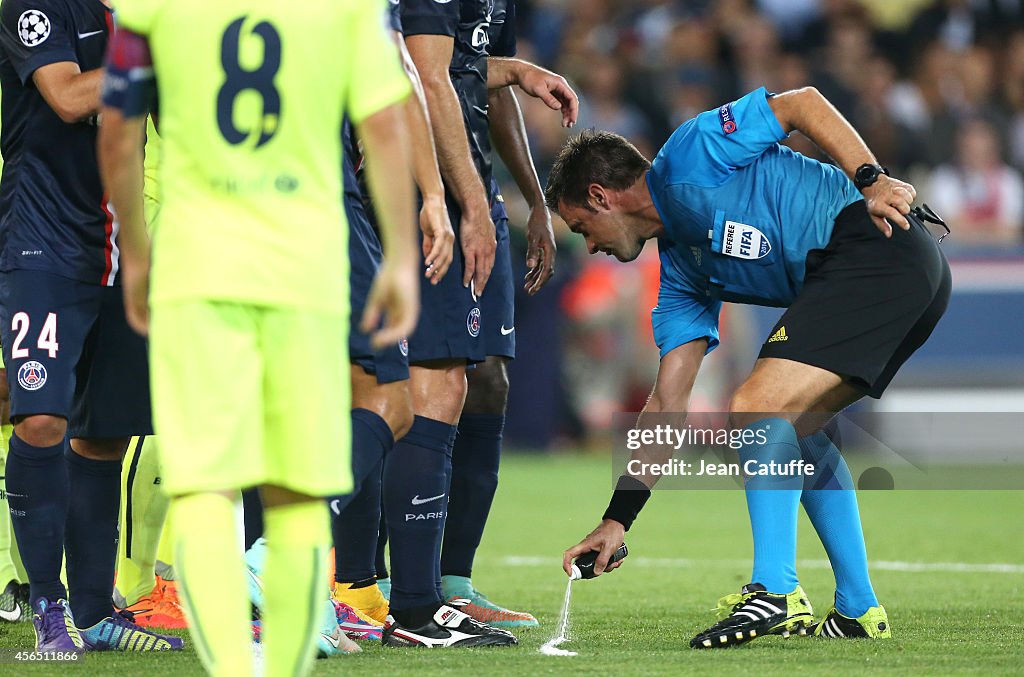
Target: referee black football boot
(755,612)
(874,624)
(448,627)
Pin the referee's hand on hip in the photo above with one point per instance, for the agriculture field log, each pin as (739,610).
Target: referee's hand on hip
(889,201)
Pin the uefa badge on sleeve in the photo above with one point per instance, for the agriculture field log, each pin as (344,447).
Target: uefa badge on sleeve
(32,375)
(33,27)
(473,322)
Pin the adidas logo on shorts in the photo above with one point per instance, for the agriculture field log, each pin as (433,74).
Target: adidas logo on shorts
(780,335)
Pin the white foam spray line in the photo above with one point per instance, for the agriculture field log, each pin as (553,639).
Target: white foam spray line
(878,565)
(551,647)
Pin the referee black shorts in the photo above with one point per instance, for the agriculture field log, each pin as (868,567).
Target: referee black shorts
(868,302)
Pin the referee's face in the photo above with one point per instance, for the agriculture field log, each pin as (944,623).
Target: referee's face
(605,231)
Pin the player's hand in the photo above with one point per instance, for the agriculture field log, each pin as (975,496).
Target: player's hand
(478,248)
(135,289)
(395,299)
(552,89)
(438,238)
(606,539)
(889,201)
(540,250)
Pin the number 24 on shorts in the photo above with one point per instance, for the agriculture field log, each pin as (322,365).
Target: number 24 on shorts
(47,336)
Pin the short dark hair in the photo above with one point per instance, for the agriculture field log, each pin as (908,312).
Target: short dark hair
(593,156)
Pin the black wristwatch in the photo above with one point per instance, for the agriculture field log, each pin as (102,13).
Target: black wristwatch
(867,174)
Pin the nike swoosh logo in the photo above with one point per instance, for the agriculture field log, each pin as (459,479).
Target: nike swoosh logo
(478,109)
(335,641)
(83,36)
(334,506)
(11,616)
(416,500)
(506,332)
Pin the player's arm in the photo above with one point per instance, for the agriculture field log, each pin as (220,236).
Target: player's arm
(73,95)
(551,88)
(508,131)
(129,88)
(432,55)
(38,38)
(809,112)
(671,395)
(394,294)
(438,236)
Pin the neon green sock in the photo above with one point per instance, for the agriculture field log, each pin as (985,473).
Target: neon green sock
(165,553)
(142,520)
(212,584)
(293,585)
(8,571)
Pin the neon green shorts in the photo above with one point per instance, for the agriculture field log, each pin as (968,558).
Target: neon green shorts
(246,395)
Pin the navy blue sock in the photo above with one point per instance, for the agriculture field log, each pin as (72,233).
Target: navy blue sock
(453,432)
(415,502)
(382,544)
(252,516)
(475,461)
(91,535)
(830,501)
(37,493)
(773,501)
(355,517)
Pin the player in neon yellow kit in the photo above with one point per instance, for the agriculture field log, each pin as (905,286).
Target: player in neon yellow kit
(140,588)
(249,290)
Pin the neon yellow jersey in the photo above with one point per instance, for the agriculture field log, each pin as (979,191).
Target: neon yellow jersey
(252,95)
(151,187)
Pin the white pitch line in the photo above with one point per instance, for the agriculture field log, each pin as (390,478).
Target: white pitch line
(880,565)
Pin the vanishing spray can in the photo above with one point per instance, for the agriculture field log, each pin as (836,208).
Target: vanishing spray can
(583,567)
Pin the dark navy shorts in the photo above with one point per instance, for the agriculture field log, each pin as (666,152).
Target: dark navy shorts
(497,305)
(450,323)
(70,352)
(389,364)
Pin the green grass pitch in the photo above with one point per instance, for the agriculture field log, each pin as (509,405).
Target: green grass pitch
(688,548)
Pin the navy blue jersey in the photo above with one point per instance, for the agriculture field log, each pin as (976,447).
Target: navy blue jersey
(473,24)
(53,213)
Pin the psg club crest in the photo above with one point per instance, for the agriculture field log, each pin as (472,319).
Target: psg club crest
(32,375)
(403,347)
(473,322)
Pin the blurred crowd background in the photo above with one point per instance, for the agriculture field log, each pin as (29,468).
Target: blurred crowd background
(936,88)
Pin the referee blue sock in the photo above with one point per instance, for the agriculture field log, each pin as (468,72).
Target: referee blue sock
(91,536)
(773,501)
(37,493)
(355,517)
(831,503)
(415,503)
(475,459)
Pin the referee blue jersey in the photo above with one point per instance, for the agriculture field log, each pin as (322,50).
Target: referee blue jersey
(741,212)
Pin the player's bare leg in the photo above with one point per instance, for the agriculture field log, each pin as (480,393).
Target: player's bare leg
(381,414)
(438,389)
